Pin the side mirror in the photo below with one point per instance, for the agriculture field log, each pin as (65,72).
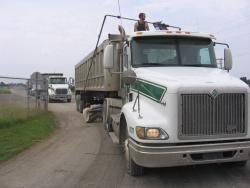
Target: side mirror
(228,60)
(129,77)
(108,57)
(71,81)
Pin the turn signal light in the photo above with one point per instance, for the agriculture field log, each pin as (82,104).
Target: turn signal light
(140,132)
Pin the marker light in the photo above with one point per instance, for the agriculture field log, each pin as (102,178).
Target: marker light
(139,33)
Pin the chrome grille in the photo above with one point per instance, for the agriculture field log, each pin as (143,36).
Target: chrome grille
(205,116)
(61,91)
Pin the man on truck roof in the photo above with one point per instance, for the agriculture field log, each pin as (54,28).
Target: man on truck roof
(141,25)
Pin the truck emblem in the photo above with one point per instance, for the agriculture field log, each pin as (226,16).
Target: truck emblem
(214,94)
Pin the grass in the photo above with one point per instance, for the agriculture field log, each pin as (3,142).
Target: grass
(22,131)
(4,90)
(10,115)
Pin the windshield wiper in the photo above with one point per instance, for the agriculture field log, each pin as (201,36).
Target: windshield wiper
(199,65)
(151,64)
(192,65)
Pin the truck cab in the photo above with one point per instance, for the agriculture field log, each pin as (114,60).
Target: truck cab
(181,109)
(58,89)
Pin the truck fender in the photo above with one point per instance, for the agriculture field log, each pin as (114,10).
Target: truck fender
(124,118)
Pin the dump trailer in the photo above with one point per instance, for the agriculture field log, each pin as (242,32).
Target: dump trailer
(94,84)
(166,100)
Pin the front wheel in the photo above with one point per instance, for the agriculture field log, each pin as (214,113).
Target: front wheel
(133,169)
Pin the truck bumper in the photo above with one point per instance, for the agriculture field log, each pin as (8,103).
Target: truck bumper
(60,97)
(181,155)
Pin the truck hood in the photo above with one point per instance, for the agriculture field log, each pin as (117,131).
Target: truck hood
(175,78)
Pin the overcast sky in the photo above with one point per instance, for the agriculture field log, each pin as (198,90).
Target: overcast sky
(54,35)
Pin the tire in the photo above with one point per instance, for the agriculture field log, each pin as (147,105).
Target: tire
(77,107)
(133,169)
(77,103)
(81,106)
(68,100)
(106,120)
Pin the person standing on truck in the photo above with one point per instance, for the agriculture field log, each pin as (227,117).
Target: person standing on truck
(141,25)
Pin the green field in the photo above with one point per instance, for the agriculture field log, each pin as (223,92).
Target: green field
(19,129)
(4,90)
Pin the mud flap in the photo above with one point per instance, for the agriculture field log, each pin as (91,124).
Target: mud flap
(92,113)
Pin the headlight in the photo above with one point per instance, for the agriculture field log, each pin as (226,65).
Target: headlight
(51,91)
(151,133)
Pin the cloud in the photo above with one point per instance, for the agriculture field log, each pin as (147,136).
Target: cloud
(205,12)
(54,35)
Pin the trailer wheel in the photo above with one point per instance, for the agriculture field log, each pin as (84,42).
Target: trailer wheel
(77,107)
(106,116)
(77,103)
(133,169)
(81,106)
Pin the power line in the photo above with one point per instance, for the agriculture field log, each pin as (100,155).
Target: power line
(14,78)
(242,54)
(235,34)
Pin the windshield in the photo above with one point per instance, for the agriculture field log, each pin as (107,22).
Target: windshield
(57,81)
(165,51)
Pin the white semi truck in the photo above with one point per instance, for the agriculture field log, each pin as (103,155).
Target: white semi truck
(58,87)
(166,100)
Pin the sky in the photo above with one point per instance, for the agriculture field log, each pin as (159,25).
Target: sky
(54,35)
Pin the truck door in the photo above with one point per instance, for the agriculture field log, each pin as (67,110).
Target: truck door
(125,66)
(125,57)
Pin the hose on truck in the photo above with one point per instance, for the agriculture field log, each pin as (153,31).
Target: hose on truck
(100,33)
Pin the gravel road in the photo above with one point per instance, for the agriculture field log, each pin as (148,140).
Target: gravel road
(82,155)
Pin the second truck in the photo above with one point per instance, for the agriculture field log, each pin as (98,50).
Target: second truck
(58,87)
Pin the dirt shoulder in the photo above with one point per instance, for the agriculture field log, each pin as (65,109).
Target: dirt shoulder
(58,161)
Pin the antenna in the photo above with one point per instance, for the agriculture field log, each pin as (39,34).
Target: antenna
(119,7)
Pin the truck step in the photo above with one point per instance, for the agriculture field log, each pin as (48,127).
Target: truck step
(113,138)
(115,118)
